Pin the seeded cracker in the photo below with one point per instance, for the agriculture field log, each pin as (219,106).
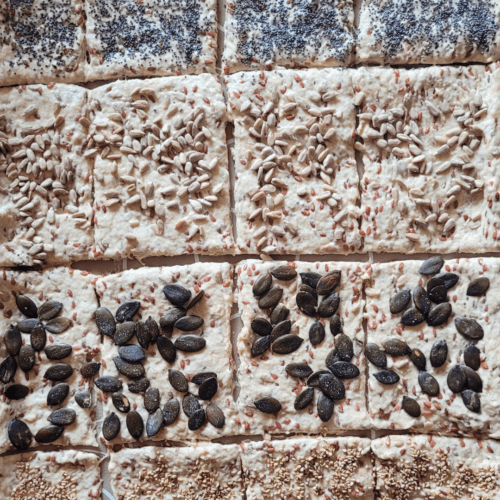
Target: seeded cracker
(56,475)
(266,375)
(296,182)
(428,32)
(430,159)
(415,467)
(162,181)
(447,412)
(74,290)
(200,472)
(146,286)
(278,33)
(150,38)
(308,468)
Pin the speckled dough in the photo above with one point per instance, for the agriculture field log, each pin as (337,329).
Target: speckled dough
(199,472)
(266,375)
(447,412)
(146,285)
(76,292)
(42,42)
(422,467)
(58,475)
(267,34)
(45,175)
(296,183)
(428,32)
(150,38)
(311,469)
(162,181)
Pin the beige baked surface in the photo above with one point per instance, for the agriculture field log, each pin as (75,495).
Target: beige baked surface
(75,290)
(150,38)
(162,180)
(297,165)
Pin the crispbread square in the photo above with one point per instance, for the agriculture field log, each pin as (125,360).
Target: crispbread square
(308,188)
(266,375)
(42,42)
(45,175)
(428,32)
(337,468)
(419,467)
(416,196)
(291,34)
(58,475)
(200,472)
(150,38)
(75,290)
(162,182)
(447,412)
(146,285)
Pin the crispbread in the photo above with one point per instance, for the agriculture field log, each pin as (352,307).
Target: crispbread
(420,467)
(302,468)
(149,198)
(58,475)
(447,412)
(277,33)
(150,38)
(42,42)
(75,290)
(146,285)
(428,32)
(308,199)
(266,376)
(45,175)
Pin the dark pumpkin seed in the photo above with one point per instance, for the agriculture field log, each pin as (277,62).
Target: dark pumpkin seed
(58,351)
(280,313)
(105,321)
(111,427)
(283,328)
(142,334)
(19,434)
(58,372)
(332,357)
(478,287)
(432,265)
(57,394)
(439,315)
(166,349)
(325,407)
(472,400)
(449,279)
(412,317)
(152,399)
(154,423)
(171,411)
(177,294)
(27,357)
(196,420)
(386,377)
(474,381)
(306,303)
(139,385)
(135,424)
(271,298)
(331,386)
(399,301)
(421,300)
(310,278)
(262,285)
(327,283)
(287,344)
(418,359)
(62,417)
(90,370)
(189,323)
(313,380)
(195,300)
(268,404)
(199,378)
(26,306)
(396,347)
(178,380)
(433,283)
(120,402)
(154,331)
(124,332)
(428,384)
(108,383)
(439,353)
(304,399)
(344,347)
(261,326)
(215,416)
(190,404)
(260,346)
(190,343)
(329,305)
(284,273)
(8,369)
(335,325)
(132,353)
(58,325)
(127,311)
(208,389)
(375,355)
(26,325)
(308,289)
(316,333)
(13,340)
(469,328)
(472,357)
(130,370)
(411,407)
(49,310)
(49,434)
(38,338)
(438,294)
(298,370)
(16,392)
(344,370)
(83,399)
(169,318)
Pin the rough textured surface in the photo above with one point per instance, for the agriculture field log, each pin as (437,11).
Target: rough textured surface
(296,182)
(162,181)
(150,38)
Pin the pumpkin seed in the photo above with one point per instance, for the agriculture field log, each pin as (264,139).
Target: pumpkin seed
(13,340)
(308,289)
(428,384)
(26,306)
(190,343)
(344,347)
(280,313)
(130,370)
(396,347)
(196,420)
(327,283)
(316,333)
(154,423)
(268,404)
(262,285)
(105,321)
(375,355)
(478,287)
(139,385)
(16,392)
(469,328)
(439,353)
(412,317)
(271,298)
(208,389)
(438,294)
(27,325)
(189,323)
(19,434)
(49,434)
(199,378)
(432,265)
(471,400)
(215,416)
(108,383)
(421,300)
(449,279)
(111,427)
(283,328)
(472,356)
(27,357)
(195,300)
(329,305)
(298,370)
(325,408)
(90,370)
(177,294)
(344,370)
(169,318)
(120,402)
(58,372)
(8,369)
(135,424)
(331,386)
(166,349)
(386,377)
(152,399)
(58,325)
(284,273)
(306,303)
(62,417)
(474,381)
(49,310)
(132,353)
(58,394)
(310,278)
(154,331)
(260,346)
(142,334)
(83,399)
(171,411)
(418,359)
(38,338)
(127,311)
(178,380)
(399,301)
(190,404)
(313,380)
(58,351)
(261,326)
(124,332)
(335,325)
(411,407)
(304,399)
(287,344)
(439,315)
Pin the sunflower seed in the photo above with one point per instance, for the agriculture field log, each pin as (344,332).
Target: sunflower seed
(449,279)
(325,408)
(428,384)
(49,310)
(62,417)
(432,265)
(111,427)
(177,294)
(469,328)
(166,349)
(316,333)
(124,332)
(57,394)
(16,392)
(189,323)
(399,301)
(412,317)
(215,416)
(421,300)
(127,311)
(178,380)
(105,321)
(471,400)
(418,359)
(386,377)
(27,357)
(132,353)
(304,399)
(280,313)
(58,325)
(396,347)
(478,287)
(109,383)
(171,411)
(58,351)
(286,344)
(90,370)
(27,325)
(329,305)
(190,343)
(19,434)
(284,273)
(439,353)
(135,424)
(13,340)
(139,385)
(190,404)
(49,434)
(271,298)
(262,285)
(268,404)
(411,407)
(26,306)
(472,357)
(306,303)
(261,326)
